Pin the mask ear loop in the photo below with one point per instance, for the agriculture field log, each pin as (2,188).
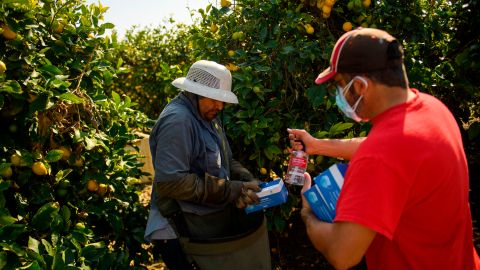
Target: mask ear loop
(354,107)
(362,79)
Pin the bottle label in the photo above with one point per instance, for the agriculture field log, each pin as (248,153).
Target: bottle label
(296,168)
(298,162)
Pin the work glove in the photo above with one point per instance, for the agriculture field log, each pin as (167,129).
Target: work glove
(248,194)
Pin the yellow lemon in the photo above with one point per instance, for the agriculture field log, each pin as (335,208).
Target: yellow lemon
(326,9)
(214,28)
(6,172)
(16,160)
(58,26)
(310,30)
(102,189)
(231,67)
(3,67)
(366,3)
(329,2)
(80,226)
(325,15)
(347,26)
(263,171)
(225,3)
(78,162)
(8,33)
(231,53)
(39,168)
(92,185)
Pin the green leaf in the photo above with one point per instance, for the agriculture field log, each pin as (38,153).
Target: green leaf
(12,231)
(108,77)
(4,185)
(56,83)
(339,127)
(3,259)
(242,114)
(71,97)
(58,263)
(33,244)
(32,266)
(51,69)
(2,101)
(48,247)
(65,212)
(271,151)
(287,49)
(6,218)
(107,26)
(116,98)
(12,87)
(15,1)
(41,103)
(119,62)
(91,143)
(93,252)
(54,155)
(116,223)
(62,174)
(261,68)
(45,215)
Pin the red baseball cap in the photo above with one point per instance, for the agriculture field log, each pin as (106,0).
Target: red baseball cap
(362,50)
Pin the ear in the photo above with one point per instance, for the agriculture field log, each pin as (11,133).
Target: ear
(360,85)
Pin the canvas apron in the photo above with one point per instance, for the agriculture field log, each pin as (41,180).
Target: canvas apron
(249,252)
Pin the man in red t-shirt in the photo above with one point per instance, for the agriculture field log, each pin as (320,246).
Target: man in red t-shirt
(404,202)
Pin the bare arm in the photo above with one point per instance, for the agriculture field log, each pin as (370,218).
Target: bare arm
(339,148)
(342,243)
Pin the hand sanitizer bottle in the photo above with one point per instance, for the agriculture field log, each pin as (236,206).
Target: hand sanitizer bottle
(297,166)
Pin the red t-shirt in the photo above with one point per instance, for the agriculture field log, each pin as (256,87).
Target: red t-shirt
(408,182)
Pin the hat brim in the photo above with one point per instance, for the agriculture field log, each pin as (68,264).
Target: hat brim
(326,75)
(205,91)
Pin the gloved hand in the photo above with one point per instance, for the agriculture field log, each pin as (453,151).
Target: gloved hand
(248,195)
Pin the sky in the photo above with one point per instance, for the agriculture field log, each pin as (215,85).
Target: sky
(127,13)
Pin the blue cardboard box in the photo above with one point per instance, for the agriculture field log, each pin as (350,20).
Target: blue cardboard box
(323,195)
(273,193)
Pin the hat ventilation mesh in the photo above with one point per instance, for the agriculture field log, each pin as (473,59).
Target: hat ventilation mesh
(203,77)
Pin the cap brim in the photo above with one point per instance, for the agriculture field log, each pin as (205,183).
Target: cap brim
(205,91)
(326,75)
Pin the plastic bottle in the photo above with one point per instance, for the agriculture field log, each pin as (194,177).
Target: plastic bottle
(297,167)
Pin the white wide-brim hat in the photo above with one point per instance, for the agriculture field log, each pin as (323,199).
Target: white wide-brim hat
(208,79)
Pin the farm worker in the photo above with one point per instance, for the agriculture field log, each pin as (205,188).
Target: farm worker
(404,202)
(198,186)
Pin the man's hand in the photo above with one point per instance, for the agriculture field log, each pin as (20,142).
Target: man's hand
(248,195)
(300,139)
(306,210)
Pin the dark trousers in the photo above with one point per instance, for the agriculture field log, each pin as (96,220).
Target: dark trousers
(172,254)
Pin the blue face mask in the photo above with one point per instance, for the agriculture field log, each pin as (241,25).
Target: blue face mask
(343,104)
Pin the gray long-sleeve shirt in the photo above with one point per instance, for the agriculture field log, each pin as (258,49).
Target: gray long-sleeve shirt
(185,148)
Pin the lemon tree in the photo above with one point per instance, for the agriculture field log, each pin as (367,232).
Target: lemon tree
(150,59)
(61,128)
(274,50)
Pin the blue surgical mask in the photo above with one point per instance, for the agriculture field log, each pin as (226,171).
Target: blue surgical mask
(342,102)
